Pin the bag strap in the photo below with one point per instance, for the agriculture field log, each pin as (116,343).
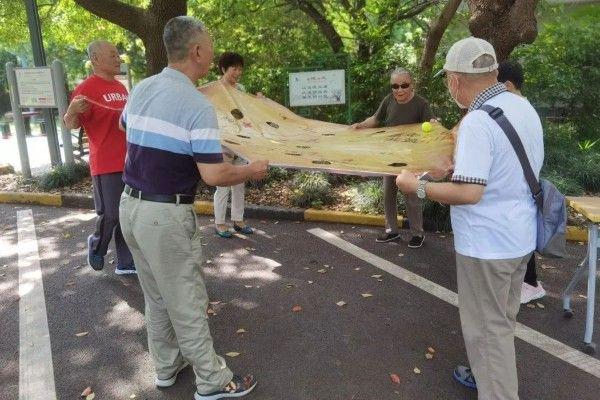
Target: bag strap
(534,185)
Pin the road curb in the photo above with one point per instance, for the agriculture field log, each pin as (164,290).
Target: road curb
(43,199)
(574,233)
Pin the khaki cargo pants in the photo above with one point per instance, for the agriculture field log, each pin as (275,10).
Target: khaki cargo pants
(165,243)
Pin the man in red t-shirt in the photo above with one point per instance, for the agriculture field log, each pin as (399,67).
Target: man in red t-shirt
(96,106)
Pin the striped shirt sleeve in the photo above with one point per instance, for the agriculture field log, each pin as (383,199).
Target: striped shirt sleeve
(205,137)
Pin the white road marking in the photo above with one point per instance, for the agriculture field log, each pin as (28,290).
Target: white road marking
(36,373)
(551,346)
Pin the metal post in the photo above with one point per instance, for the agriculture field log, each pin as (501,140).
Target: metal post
(349,89)
(18,119)
(39,59)
(60,94)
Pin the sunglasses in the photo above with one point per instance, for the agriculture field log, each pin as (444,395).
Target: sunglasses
(401,86)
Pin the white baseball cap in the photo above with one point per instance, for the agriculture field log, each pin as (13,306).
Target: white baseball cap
(463,53)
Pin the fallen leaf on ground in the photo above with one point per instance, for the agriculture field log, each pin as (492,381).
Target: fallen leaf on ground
(247,286)
(70,283)
(289,285)
(67,235)
(583,296)
(431,350)
(132,396)
(111,262)
(366,295)
(232,354)
(417,370)
(90,396)
(321,271)
(357,269)
(376,276)
(540,305)
(81,334)
(428,356)
(240,331)
(305,268)
(379,280)
(208,261)
(544,266)
(442,236)
(214,303)
(2,275)
(341,303)
(529,305)
(86,392)
(210,311)
(401,255)
(310,282)
(395,379)
(296,308)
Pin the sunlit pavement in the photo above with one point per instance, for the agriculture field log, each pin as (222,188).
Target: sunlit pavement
(325,351)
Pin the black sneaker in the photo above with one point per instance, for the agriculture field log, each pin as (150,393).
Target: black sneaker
(387,237)
(416,242)
(238,387)
(96,261)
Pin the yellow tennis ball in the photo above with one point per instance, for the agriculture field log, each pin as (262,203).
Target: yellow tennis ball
(426,127)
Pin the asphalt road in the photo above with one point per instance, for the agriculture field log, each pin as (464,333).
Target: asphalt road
(324,352)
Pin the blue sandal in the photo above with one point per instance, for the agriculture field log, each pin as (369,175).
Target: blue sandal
(464,376)
(224,234)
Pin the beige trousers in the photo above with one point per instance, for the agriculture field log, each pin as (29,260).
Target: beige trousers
(165,243)
(237,199)
(489,294)
(414,208)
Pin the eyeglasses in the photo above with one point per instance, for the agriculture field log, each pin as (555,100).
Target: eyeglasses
(396,86)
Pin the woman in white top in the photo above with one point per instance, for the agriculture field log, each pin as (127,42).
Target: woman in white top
(231,66)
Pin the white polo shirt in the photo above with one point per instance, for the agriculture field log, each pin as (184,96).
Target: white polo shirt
(502,224)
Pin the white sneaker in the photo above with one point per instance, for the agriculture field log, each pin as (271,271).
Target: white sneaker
(530,293)
(165,383)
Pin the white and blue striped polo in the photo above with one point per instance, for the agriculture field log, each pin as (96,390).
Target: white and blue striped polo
(170,126)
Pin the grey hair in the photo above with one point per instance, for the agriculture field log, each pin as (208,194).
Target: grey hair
(178,33)
(401,71)
(483,61)
(95,46)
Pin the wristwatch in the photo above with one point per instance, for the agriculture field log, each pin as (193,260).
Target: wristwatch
(421,189)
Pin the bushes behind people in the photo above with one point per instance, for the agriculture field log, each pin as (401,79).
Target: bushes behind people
(63,175)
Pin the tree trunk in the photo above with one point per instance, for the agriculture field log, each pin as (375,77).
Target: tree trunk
(434,37)
(324,25)
(147,24)
(504,23)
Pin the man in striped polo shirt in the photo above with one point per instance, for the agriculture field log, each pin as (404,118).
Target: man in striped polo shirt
(173,140)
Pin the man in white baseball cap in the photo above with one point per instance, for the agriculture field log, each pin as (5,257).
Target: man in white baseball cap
(493,214)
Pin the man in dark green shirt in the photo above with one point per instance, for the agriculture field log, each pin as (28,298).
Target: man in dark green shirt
(400,107)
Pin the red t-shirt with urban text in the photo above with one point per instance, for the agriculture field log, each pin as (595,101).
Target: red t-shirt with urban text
(101,124)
